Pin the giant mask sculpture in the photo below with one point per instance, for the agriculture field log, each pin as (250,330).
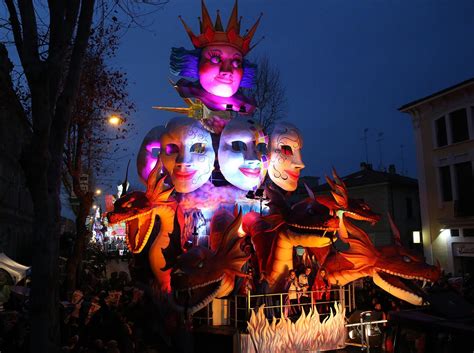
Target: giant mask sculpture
(187,154)
(242,153)
(285,165)
(149,153)
(217,63)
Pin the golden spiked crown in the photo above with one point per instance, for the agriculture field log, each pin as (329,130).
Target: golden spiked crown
(212,34)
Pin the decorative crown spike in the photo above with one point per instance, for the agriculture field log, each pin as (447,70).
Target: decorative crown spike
(215,34)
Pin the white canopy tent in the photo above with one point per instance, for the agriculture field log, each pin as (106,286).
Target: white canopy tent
(16,270)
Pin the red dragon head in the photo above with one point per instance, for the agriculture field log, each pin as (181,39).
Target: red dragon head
(308,216)
(393,268)
(340,202)
(200,274)
(138,210)
(341,205)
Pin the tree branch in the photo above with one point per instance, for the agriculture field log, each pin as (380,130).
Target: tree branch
(64,107)
(16,28)
(8,96)
(30,37)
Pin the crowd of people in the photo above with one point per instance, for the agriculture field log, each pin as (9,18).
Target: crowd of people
(306,285)
(116,314)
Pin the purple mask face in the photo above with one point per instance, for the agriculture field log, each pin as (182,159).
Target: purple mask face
(220,70)
(149,153)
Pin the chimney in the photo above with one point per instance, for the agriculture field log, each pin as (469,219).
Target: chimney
(365,166)
(392,169)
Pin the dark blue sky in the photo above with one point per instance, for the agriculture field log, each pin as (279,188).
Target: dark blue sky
(346,65)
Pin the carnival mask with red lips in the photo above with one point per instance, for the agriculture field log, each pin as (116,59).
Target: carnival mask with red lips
(242,153)
(187,154)
(285,156)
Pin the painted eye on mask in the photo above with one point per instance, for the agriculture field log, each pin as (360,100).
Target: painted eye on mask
(286,150)
(262,148)
(171,148)
(239,146)
(215,59)
(236,63)
(198,148)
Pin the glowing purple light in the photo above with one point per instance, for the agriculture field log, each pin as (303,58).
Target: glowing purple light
(151,158)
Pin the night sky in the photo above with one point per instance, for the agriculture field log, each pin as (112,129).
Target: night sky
(346,65)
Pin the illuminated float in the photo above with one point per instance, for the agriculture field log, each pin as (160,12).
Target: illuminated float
(200,170)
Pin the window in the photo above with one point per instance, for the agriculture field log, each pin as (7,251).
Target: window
(441,134)
(468,232)
(465,181)
(445,178)
(455,232)
(409,207)
(459,127)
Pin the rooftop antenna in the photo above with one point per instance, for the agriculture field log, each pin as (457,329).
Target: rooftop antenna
(403,160)
(365,145)
(379,143)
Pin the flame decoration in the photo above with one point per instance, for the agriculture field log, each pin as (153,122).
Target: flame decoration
(307,334)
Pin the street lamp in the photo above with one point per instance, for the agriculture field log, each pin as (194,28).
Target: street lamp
(94,206)
(115,119)
(98,192)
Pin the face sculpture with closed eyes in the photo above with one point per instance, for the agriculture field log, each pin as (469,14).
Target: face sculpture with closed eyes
(285,156)
(242,153)
(220,70)
(187,154)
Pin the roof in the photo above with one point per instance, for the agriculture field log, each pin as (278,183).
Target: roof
(371,177)
(435,95)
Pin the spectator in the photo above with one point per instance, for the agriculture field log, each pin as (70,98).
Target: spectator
(322,291)
(248,285)
(303,283)
(263,288)
(293,289)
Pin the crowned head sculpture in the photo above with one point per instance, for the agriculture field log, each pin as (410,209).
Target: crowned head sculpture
(187,154)
(285,165)
(217,62)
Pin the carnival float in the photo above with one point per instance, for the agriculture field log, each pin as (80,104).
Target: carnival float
(215,180)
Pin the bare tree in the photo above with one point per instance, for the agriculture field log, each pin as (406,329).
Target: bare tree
(90,141)
(43,35)
(269,94)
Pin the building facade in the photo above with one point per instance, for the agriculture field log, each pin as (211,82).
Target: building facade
(444,133)
(385,192)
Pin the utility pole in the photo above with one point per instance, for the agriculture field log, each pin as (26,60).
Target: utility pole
(403,160)
(379,143)
(365,145)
